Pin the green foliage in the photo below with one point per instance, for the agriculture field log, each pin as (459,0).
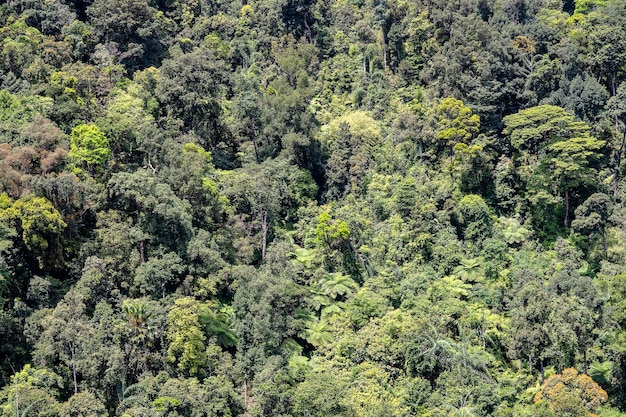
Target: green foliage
(36,218)
(31,391)
(474,218)
(328,230)
(455,122)
(317,332)
(537,127)
(187,340)
(89,146)
(322,394)
(308,208)
(513,232)
(83,404)
(17,112)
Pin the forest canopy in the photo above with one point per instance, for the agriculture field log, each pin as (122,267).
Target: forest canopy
(310,208)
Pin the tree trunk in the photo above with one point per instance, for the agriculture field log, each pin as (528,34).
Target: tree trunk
(543,373)
(264,227)
(73,353)
(451,160)
(566,220)
(142,251)
(142,245)
(615,183)
(585,365)
(253,137)
(308,29)
(618,163)
(384,50)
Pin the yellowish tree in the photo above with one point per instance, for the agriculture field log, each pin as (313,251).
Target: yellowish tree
(571,394)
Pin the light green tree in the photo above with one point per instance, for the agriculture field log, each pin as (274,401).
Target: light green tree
(572,165)
(89,147)
(186,339)
(31,392)
(39,223)
(83,404)
(455,123)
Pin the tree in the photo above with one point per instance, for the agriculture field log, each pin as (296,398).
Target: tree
(571,394)
(474,218)
(83,404)
(317,332)
(406,197)
(262,194)
(322,394)
(49,18)
(352,142)
(31,391)
(39,224)
(332,237)
(156,211)
(190,89)
(535,128)
(572,164)
(455,125)
(531,339)
(617,109)
(158,275)
(265,307)
(19,46)
(163,395)
(470,270)
(338,164)
(189,171)
(218,322)
(592,217)
(89,146)
(66,336)
(338,284)
(557,155)
(130,126)
(248,110)
(608,54)
(472,61)
(133,29)
(16,112)
(186,338)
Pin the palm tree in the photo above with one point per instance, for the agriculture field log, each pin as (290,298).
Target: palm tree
(338,284)
(305,257)
(317,332)
(470,270)
(142,333)
(217,322)
(601,372)
(138,316)
(136,313)
(514,233)
(332,309)
(320,298)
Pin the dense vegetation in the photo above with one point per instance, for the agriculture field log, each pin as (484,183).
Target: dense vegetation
(352,208)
